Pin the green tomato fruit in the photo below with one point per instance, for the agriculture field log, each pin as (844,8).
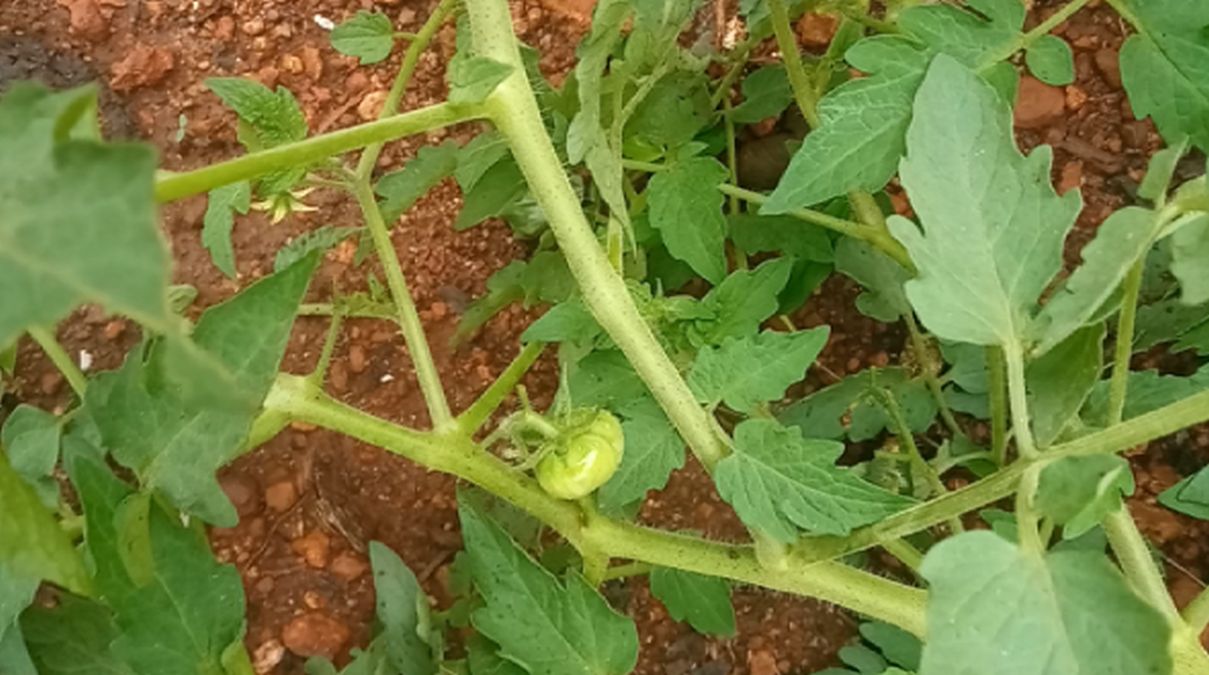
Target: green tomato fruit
(583,458)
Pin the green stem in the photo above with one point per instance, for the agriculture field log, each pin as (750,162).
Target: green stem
(1027,521)
(456,454)
(905,553)
(1133,554)
(929,368)
(799,81)
(1119,382)
(907,439)
(173,186)
(60,358)
(1196,614)
(473,418)
(411,58)
(1126,13)
(513,109)
(408,317)
(329,309)
(1027,39)
(997,383)
(1167,420)
(329,346)
(1052,22)
(1018,397)
(238,662)
(732,155)
(627,570)
(742,52)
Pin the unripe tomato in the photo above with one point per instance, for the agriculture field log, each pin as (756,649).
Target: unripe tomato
(583,457)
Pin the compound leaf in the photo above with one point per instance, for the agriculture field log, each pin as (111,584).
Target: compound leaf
(745,372)
(851,408)
(1066,613)
(77,217)
(369,36)
(702,601)
(687,210)
(568,628)
(72,638)
(780,482)
(766,93)
(744,300)
(993,225)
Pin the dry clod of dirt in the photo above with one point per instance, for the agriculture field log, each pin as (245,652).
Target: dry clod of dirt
(266,656)
(143,66)
(348,566)
(86,19)
(1038,104)
(315,634)
(281,496)
(314,548)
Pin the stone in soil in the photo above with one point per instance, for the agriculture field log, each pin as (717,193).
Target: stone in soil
(143,66)
(1038,104)
(349,566)
(314,548)
(315,634)
(281,496)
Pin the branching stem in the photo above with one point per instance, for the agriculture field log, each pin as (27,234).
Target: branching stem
(472,419)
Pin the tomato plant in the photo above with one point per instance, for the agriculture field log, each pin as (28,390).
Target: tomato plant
(626,181)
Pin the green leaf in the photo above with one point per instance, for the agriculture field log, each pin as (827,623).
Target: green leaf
(472,79)
(273,117)
(476,157)
(267,119)
(653,450)
(851,408)
(187,610)
(994,225)
(702,601)
(402,611)
(500,187)
(1169,320)
(779,482)
(745,372)
(320,240)
(1147,391)
(1068,612)
(674,111)
(686,208)
(1189,496)
(1051,61)
(31,439)
(32,546)
(1060,382)
(1121,240)
(1078,492)
(1163,68)
(567,628)
(73,638)
(566,322)
(766,93)
(964,35)
(884,298)
(483,660)
(175,443)
(14,658)
(401,189)
(897,645)
(77,218)
(743,301)
(1161,171)
(369,36)
(781,234)
(1190,260)
(862,124)
(221,206)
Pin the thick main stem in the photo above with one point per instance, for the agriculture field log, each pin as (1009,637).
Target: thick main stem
(409,318)
(514,111)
